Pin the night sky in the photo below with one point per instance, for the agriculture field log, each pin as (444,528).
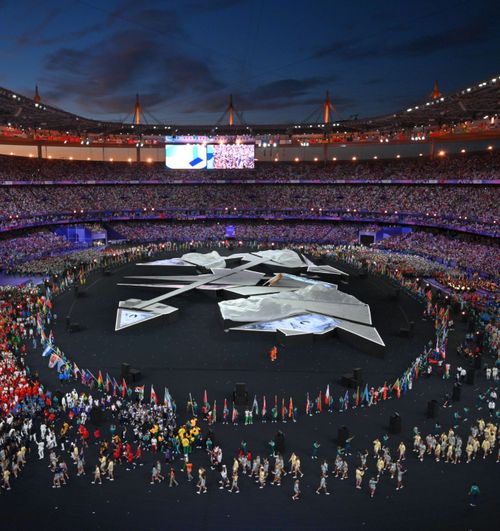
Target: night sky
(277,58)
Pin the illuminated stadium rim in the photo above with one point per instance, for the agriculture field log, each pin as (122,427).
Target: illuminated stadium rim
(470,103)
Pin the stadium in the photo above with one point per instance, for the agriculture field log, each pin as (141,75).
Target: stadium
(242,324)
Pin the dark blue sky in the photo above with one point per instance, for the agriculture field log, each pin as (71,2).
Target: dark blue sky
(277,57)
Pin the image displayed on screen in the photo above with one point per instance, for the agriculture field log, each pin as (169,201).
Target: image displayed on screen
(186,157)
(233,156)
(183,155)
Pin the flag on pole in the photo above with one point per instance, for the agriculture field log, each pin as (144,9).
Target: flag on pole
(397,386)
(264,408)
(320,403)
(140,391)
(366,396)
(76,370)
(346,400)
(115,386)
(54,358)
(214,412)
(205,406)
(108,383)
(357,396)
(255,406)
(327,395)
(283,410)
(167,399)
(124,388)
(234,416)
(154,398)
(308,405)
(99,379)
(290,409)
(47,350)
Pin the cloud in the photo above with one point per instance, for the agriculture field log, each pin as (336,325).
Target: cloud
(471,33)
(105,76)
(286,88)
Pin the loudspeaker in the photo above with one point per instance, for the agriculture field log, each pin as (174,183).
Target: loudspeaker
(395,423)
(240,394)
(457,392)
(394,295)
(357,375)
(348,381)
(432,409)
(97,416)
(135,375)
(470,376)
(125,371)
(279,443)
(342,436)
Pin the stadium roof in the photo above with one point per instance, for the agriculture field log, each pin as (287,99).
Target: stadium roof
(471,103)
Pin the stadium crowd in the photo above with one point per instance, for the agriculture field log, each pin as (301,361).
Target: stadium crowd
(29,247)
(455,252)
(473,208)
(484,166)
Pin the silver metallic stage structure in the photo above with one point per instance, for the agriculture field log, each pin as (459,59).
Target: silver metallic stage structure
(278,291)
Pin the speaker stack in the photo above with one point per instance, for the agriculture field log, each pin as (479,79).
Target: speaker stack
(240,394)
(395,423)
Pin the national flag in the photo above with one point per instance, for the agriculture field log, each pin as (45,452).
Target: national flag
(385,389)
(167,399)
(397,386)
(89,377)
(54,358)
(76,370)
(290,409)
(154,398)
(47,350)
(357,396)
(283,410)
(327,395)
(366,395)
(255,406)
(140,391)
(264,408)
(308,405)
(99,379)
(214,412)
(320,403)
(124,388)
(234,416)
(108,383)
(115,387)
(205,406)
(346,400)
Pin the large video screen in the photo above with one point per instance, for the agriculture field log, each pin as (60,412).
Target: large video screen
(234,156)
(186,157)
(180,154)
